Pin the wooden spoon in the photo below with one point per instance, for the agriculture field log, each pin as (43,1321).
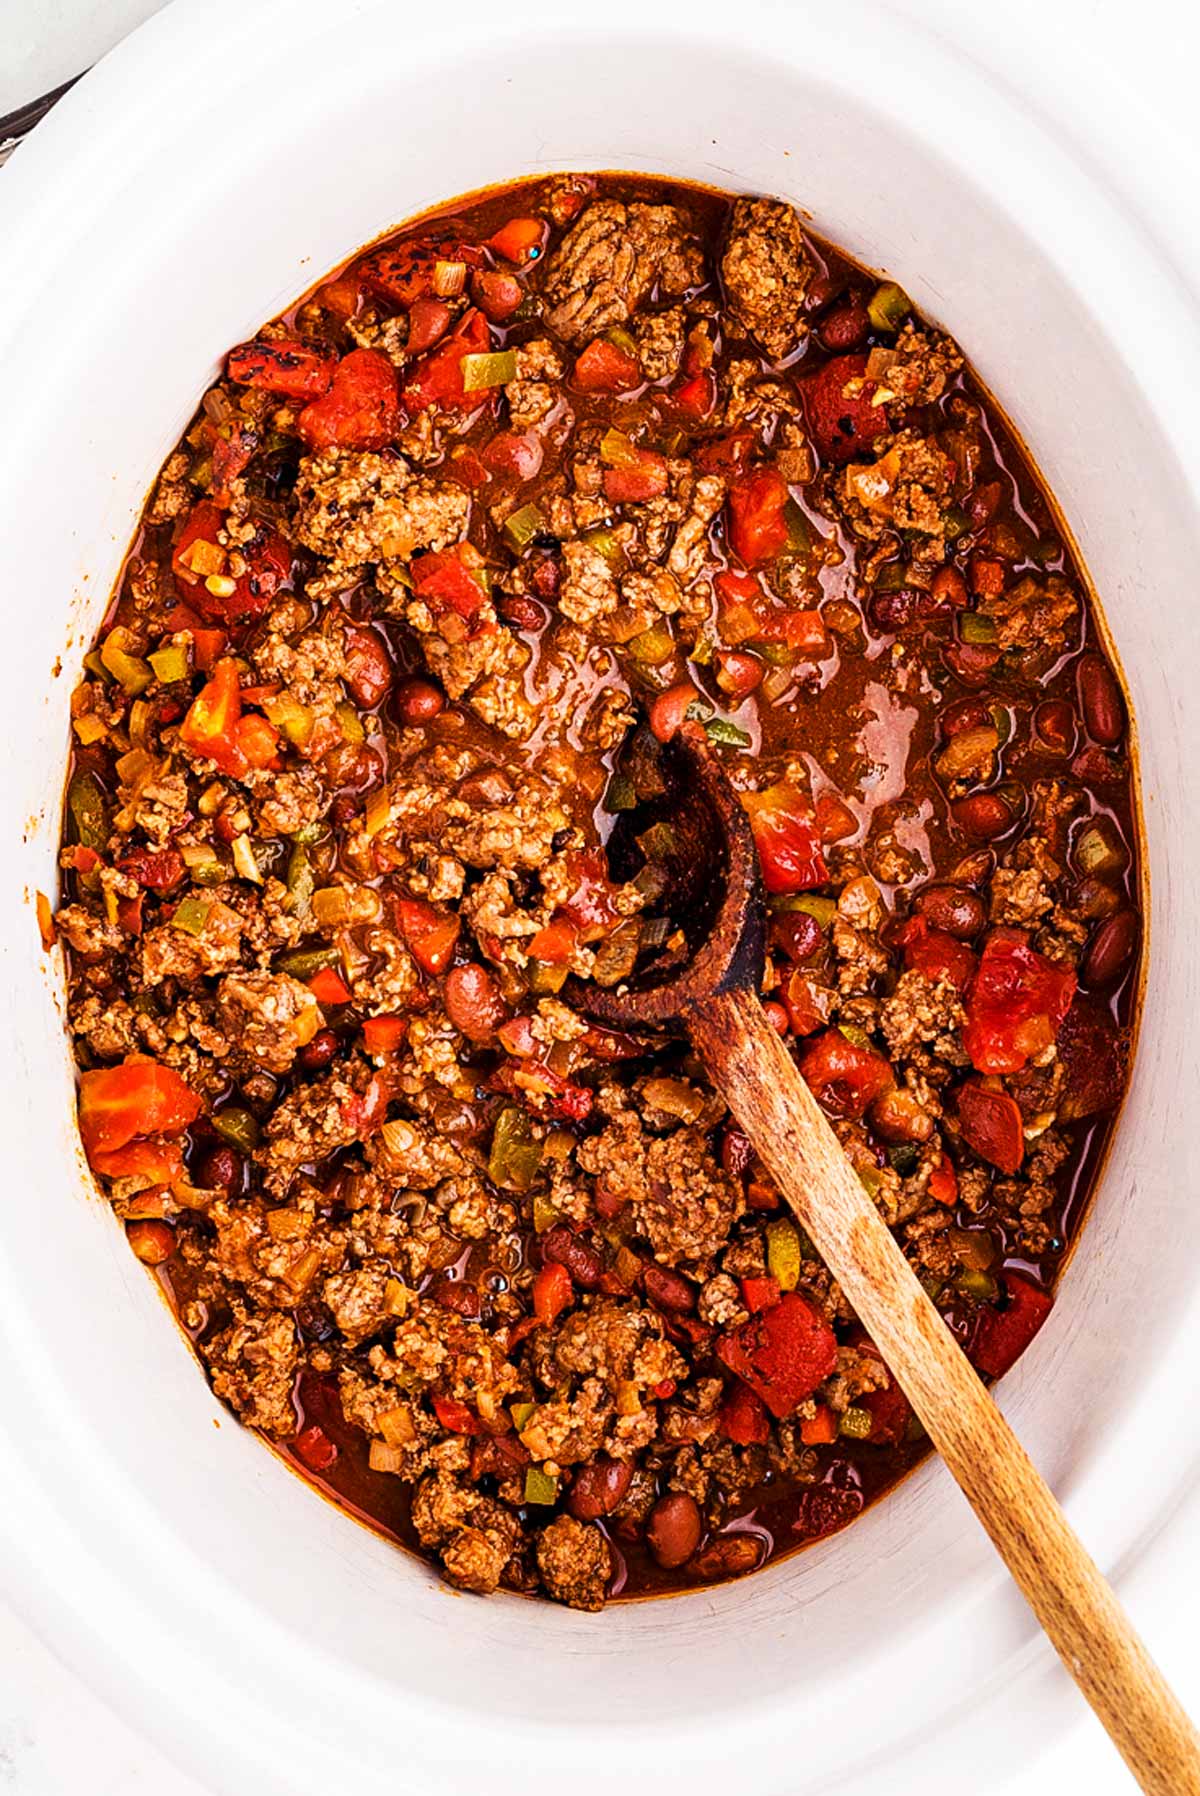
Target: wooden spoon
(703,842)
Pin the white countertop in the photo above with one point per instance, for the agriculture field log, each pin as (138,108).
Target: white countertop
(1079,57)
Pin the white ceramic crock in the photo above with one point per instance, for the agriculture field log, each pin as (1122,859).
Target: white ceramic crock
(217,164)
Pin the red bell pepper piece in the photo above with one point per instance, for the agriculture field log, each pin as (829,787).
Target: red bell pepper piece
(553,1292)
(991,1125)
(210,726)
(842,425)
(118,1104)
(437,378)
(785,835)
(936,953)
(328,987)
(287,365)
(1015,1004)
(605,368)
(943,1182)
(454,1415)
(1003,1335)
(757,527)
(429,933)
(744,1417)
(361,410)
(782,1354)
(384,1034)
(844,1077)
(230,456)
(760,1293)
(821,1429)
(521,239)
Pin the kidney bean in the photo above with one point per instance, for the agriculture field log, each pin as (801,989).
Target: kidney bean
(974,869)
(546,578)
(845,327)
(598,1488)
(1093,899)
(971,661)
(418,701)
(960,913)
(966,714)
(674,1529)
(152,1241)
(1101,701)
(220,1169)
(454,1295)
(521,612)
(777,1016)
(983,814)
(1111,949)
(317,1054)
(799,935)
(1054,726)
(728,1556)
(561,1244)
(668,1290)
(891,611)
(736,1153)
(473,1002)
(984,503)
(897,1116)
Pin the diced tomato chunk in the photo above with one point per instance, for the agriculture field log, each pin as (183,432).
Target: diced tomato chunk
(605,368)
(210,726)
(315,1448)
(782,1354)
(285,365)
(643,476)
(429,933)
(231,454)
(695,397)
(452,580)
(991,1125)
(943,1182)
(117,1104)
(404,272)
(592,905)
(842,425)
(198,557)
(805,1012)
(936,953)
(1003,1335)
(258,741)
(555,942)
(745,1419)
(159,1161)
(158,869)
(521,239)
(785,835)
(437,379)
(1015,1003)
(361,410)
(757,527)
(844,1077)
(835,819)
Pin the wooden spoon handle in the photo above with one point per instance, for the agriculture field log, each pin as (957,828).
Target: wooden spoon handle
(1081,1615)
